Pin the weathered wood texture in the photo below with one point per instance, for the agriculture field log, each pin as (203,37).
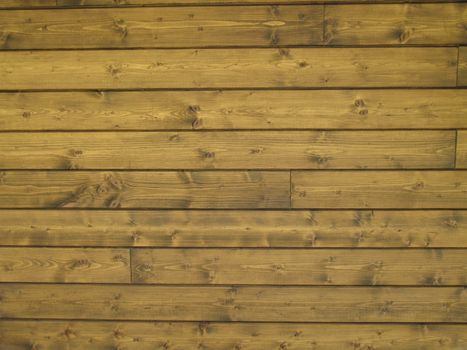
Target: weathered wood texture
(233,68)
(366,267)
(213,228)
(379,189)
(396,24)
(230,110)
(64,265)
(57,335)
(211,303)
(169,189)
(162,27)
(229,150)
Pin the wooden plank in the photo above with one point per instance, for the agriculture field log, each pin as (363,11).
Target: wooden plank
(462,69)
(205,110)
(233,68)
(211,303)
(379,189)
(52,335)
(162,27)
(27,3)
(146,189)
(461,150)
(396,24)
(365,267)
(64,265)
(214,228)
(229,150)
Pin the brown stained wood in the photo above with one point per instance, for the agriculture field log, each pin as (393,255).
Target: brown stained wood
(229,150)
(461,151)
(210,303)
(462,69)
(238,228)
(64,265)
(396,24)
(228,68)
(52,335)
(147,189)
(205,110)
(162,27)
(379,189)
(367,267)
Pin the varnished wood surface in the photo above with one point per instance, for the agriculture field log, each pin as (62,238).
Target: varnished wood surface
(229,150)
(242,228)
(231,68)
(462,69)
(379,189)
(148,189)
(366,267)
(57,335)
(252,303)
(64,265)
(162,27)
(232,110)
(396,24)
(461,151)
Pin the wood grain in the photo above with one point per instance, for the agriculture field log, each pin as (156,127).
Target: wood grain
(236,228)
(64,265)
(462,68)
(206,110)
(52,335)
(210,303)
(461,150)
(232,68)
(229,150)
(162,27)
(366,267)
(170,189)
(396,24)
(379,189)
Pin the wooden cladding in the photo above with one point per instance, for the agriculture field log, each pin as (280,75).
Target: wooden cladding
(228,68)
(233,175)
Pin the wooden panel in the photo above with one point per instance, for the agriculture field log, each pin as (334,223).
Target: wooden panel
(187,110)
(283,304)
(229,150)
(162,27)
(461,152)
(234,68)
(300,266)
(398,24)
(212,228)
(92,189)
(64,265)
(379,189)
(51,335)
(462,69)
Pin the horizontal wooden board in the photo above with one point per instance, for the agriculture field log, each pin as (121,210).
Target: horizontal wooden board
(64,265)
(228,68)
(238,228)
(170,189)
(379,189)
(204,110)
(229,150)
(461,152)
(396,24)
(365,267)
(162,27)
(210,303)
(52,335)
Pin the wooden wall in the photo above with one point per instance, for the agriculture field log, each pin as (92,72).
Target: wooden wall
(233,174)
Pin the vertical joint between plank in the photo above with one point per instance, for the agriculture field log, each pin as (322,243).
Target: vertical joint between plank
(455,148)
